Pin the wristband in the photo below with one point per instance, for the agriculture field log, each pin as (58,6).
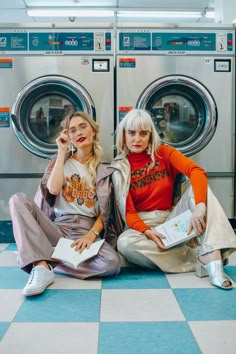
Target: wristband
(95,232)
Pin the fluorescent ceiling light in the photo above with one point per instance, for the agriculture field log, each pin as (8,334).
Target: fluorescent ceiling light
(161,14)
(46,12)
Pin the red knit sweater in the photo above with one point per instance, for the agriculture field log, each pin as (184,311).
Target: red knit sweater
(152,189)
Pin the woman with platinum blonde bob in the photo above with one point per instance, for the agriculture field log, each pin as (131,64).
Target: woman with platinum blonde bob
(144,188)
(76,194)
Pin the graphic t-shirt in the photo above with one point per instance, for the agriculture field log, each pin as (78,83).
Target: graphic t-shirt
(76,196)
(150,188)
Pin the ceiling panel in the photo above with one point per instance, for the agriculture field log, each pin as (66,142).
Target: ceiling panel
(74,3)
(167,4)
(15,10)
(160,4)
(13,4)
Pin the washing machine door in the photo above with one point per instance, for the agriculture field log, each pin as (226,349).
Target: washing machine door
(183,110)
(40,108)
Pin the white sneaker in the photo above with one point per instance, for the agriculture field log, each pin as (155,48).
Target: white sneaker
(39,279)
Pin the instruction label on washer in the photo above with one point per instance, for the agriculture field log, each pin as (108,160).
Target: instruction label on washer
(6,63)
(4,117)
(13,41)
(134,41)
(127,62)
(123,110)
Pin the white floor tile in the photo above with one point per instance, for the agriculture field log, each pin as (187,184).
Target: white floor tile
(232,259)
(215,337)
(187,280)
(59,338)
(8,259)
(67,282)
(10,302)
(117,305)
(3,246)
(140,305)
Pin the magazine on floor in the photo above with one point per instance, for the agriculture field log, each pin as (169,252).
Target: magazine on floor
(64,252)
(175,230)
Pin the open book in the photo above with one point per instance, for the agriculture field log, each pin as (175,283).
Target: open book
(175,230)
(64,252)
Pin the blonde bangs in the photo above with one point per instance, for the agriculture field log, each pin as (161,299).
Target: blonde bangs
(138,121)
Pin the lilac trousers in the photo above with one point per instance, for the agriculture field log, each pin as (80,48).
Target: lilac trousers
(36,235)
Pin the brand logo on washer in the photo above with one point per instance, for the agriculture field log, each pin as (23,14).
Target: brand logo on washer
(85,61)
(3,41)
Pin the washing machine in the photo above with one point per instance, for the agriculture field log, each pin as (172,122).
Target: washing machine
(185,78)
(45,74)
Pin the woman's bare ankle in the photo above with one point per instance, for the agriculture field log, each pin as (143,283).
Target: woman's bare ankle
(43,263)
(211,256)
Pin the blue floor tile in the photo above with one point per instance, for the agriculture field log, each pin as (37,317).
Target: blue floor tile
(6,232)
(11,247)
(231,271)
(207,304)
(137,278)
(70,304)
(3,328)
(61,306)
(12,278)
(150,338)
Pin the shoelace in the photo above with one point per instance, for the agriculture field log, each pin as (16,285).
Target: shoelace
(32,276)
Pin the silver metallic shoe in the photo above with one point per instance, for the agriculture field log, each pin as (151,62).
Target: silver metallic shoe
(216,273)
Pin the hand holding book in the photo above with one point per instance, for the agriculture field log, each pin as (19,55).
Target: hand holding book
(156,237)
(83,242)
(175,231)
(64,252)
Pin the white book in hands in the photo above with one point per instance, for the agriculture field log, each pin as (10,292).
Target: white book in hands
(176,230)
(64,252)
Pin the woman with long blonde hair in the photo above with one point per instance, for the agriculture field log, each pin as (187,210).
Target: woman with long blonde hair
(77,191)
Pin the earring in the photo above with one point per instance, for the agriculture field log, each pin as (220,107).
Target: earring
(71,148)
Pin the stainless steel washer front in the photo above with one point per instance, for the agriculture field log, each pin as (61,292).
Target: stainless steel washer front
(185,77)
(183,110)
(46,72)
(41,106)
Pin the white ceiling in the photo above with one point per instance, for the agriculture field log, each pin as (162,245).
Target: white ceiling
(14,11)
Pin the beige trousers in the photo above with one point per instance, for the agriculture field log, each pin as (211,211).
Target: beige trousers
(140,250)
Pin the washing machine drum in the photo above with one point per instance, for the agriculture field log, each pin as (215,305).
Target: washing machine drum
(40,109)
(183,111)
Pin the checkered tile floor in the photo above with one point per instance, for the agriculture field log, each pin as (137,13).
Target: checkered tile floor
(136,312)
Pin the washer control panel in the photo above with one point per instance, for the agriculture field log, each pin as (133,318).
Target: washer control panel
(55,42)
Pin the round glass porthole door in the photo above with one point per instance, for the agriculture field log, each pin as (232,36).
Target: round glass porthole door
(40,108)
(183,111)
